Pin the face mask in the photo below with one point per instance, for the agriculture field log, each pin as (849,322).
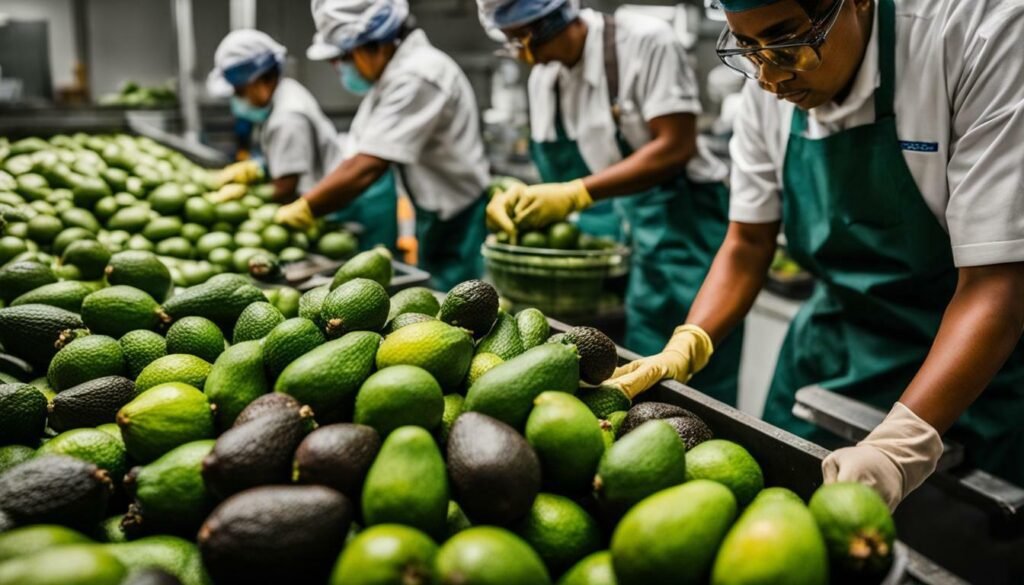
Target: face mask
(353,81)
(241,108)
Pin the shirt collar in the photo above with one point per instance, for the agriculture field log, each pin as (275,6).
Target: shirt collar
(593,48)
(864,85)
(415,40)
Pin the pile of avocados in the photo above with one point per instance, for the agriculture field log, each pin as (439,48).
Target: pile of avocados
(223,434)
(68,203)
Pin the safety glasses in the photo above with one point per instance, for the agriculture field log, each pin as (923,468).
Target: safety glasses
(789,55)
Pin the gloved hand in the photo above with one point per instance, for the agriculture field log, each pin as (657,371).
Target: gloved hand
(499,211)
(296,214)
(246,171)
(685,354)
(229,192)
(539,206)
(895,458)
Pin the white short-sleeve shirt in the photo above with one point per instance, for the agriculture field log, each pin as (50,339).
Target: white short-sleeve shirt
(422,115)
(959,107)
(655,79)
(298,138)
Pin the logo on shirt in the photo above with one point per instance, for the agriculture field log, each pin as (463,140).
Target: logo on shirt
(915,146)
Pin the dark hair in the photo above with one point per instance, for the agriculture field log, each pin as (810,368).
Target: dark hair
(272,74)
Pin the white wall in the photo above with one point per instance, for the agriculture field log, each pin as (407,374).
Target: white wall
(61,32)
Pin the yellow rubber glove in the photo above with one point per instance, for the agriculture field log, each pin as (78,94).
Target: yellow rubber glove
(296,214)
(499,210)
(229,192)
(539,206)
(246,171)
(895,458)
(685,354)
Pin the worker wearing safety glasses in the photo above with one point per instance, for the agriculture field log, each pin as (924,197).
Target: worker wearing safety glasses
(613,107)
(885,136)
(418,115)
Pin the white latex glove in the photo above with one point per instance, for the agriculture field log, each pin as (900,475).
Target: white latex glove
(895,458)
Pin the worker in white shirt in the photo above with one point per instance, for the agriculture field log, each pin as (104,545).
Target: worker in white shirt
(613,107)
(886,139)
(299,143)
(419,115)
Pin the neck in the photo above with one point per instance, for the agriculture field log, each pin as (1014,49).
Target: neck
(575,36)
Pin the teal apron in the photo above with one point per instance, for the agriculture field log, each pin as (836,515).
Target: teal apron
(676,228)
(450,249)
(376,209)
(854,217)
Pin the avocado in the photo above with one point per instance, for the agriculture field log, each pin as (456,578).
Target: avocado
(197,336)
(266,404)
(567,439)
(118,309)
(67,295)
(256,453)
(110,529)
(508,390)
(417,299)
(22,414)
(142,270)
(141,348)
(175,367)
(639,464)
(405,319)
(275,534)
(671,537)
(337,456)
(29,539)
(494,472)
(162,418)
(453,407)
(503,340)
(372,264)
(20,276)
(77,564)
(437,347)
(598,354)
(328,377)
(858,529)
(91,403)
(533,327)
(151,576)
(236,379)
(169,493)
(288,341)
(729,464)
(457,519)
(692,430)
(645,411)
(560,531)
(55,489)
(775,540)
(407,483)
(90,445)
(481,364)
(388,553)
(33,331)
(471,305)
(311,301)
(256,322)
(11,455)
(220,299)
(595,569)
(492,555)
(175,555)
(85,359)
(604,400)
(358,305)
(399,396)
(89,256)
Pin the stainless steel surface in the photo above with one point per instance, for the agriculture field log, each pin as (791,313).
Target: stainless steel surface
(196,151)
(188,99)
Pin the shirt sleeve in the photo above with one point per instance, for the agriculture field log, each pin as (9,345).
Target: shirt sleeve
(403,120)
(667,82)
(754,190)
(985,172)
(288,145)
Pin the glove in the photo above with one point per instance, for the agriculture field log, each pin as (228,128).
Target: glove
(296,214)
(229,192)
(685,354)
(894,459)
(246,171)
(499,210)
(539,206)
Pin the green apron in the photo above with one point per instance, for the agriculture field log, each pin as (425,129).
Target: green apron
(854,217)
(376,209)
(676,229)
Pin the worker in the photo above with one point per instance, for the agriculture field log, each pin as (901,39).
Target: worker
(419,115)
(886,138)
(299,143)
(613,106)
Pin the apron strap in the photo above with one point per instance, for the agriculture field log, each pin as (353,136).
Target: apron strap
(611,65)
(884,95)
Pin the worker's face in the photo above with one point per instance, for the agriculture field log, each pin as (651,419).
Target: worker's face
(532,51)
(258,93)
(787,21)
(370,61)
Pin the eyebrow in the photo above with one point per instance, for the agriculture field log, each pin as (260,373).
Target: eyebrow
(777,30)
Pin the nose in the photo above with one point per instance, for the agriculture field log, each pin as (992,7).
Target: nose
(770,76)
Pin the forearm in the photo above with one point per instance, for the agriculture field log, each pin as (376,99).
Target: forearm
(664,157)
(979,330)
(736,277)
(345,183)
(284,188)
